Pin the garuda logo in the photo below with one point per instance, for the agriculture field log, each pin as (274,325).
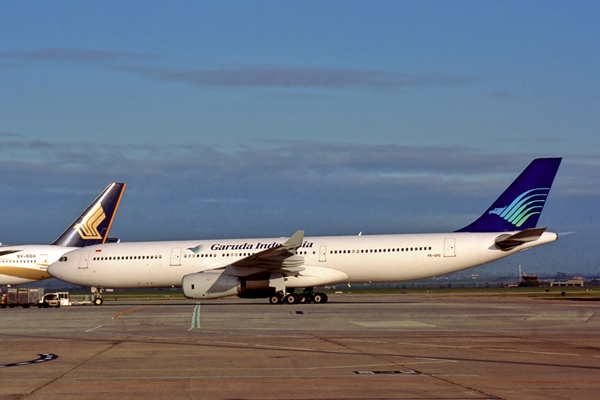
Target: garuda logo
(88,228)
(527,204)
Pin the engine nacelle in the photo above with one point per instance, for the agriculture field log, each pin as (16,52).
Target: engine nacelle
(211,285)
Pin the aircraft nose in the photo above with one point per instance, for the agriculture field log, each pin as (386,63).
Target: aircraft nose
(58,269)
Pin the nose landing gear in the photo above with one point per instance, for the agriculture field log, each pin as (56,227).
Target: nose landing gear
(97,296)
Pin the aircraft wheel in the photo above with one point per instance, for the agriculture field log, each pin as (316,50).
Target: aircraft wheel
(98,301)
(292,299)
(275,299)
(320,298)
(303,298)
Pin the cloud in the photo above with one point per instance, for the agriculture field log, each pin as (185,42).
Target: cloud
(15,58)
(257,76)
(279,77)
(503,95)
(274,188)
(281,167)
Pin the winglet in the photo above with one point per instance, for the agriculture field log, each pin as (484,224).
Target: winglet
(93,225)
(520,206)
(295,241)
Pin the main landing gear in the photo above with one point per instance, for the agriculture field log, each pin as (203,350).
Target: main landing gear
(298,298)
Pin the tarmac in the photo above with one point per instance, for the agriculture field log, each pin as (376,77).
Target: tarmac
(353,347)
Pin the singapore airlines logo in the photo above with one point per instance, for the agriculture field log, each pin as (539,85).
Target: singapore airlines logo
(527,204)
(88,229)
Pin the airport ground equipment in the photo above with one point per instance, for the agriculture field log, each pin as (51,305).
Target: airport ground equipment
(23,296)
(54,300)
(49,300)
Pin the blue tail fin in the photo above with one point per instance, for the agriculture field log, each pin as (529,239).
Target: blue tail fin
(520,206)
(93,225)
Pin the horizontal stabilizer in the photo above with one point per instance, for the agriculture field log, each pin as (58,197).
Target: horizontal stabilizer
(7,252)
(509,242)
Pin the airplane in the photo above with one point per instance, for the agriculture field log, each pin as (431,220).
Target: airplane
(28,263)
(275,268)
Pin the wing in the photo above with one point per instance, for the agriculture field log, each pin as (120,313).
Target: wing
(282,258)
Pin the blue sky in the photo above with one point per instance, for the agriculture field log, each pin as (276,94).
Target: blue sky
(258,118)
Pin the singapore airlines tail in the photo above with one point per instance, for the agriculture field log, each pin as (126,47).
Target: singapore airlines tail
(93,225)
(520,206)
(27,263)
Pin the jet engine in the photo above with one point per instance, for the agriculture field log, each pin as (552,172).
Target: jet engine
(211,285)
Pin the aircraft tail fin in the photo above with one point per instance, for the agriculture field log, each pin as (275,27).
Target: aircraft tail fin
(93,225)
(520,206)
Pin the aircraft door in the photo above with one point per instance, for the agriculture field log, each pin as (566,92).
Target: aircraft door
(83,260)
(449,247)
(323,253)
(43,261)
(176,256)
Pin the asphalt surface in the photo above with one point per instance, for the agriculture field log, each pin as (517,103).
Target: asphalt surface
(354,347)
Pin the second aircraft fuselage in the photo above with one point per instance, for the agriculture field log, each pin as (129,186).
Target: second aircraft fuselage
(28,263)
(380,258)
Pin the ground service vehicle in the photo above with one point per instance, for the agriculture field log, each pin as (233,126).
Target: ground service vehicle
(55,300)
(24,297)
(49,300)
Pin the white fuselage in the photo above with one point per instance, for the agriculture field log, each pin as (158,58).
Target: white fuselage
(29,264)
(382,258)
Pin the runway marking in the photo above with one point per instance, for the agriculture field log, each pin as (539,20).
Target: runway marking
(392,324)
(363,341)
(492,349)
(135,308)
(562,316)
(124,370)
(94,328)
(534,352)
(123,313)
(196,317)
(43,358)
(385,372)
(303,382)
(425,360)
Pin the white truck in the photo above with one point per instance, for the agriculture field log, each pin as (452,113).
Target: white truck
(55,300)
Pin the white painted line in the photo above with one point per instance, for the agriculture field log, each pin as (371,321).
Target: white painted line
(94,328)
(491,349)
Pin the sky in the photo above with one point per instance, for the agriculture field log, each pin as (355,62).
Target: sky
(258,118)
